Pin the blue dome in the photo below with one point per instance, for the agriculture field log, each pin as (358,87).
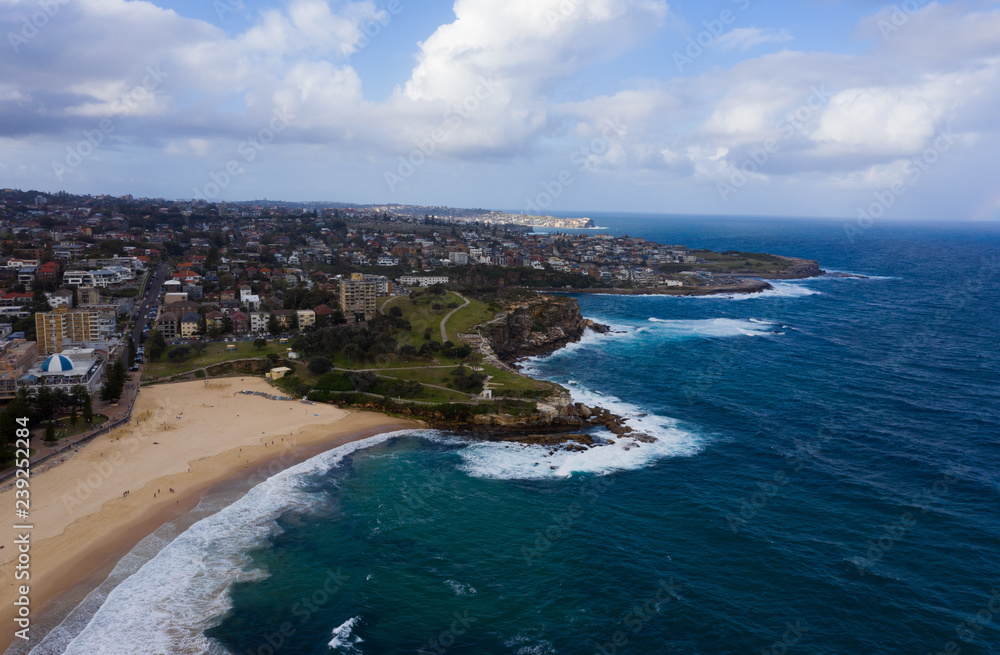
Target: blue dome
(57,364)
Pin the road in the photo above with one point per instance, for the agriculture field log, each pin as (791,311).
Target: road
(151,298)
(444,321)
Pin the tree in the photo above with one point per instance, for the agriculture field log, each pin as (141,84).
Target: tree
(114,383)
(45,403)
(227,324)
(73,418)
(273,324)
(260,344)
(179,354)
(88,408)
(202,326)
(155,345)
(320,365)
(50,432)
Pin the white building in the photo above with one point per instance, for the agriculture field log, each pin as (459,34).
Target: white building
(413,281)
(65,370)
(258,322)
(385,260)
(458,258)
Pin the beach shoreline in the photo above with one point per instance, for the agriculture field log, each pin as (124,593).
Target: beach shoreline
(186,439)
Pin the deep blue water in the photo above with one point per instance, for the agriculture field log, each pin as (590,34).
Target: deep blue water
(825,481)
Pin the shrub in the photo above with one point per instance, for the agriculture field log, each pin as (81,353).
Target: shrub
(334,381)
(320,365)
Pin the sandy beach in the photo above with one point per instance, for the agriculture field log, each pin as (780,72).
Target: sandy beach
(91,507)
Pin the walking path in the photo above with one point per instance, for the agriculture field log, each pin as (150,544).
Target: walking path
(444,321)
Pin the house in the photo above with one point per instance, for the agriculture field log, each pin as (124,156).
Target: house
(258,322)
(189,324)
(215,318)
(169,325)
(284,317)
(307,318)
(60,298)
(278,373)
(17,357)
(411,281)
(48,272)
(241,322)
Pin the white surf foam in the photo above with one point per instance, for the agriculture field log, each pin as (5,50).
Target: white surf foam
(344,640)
(461,589)
(504,461)
(167,604)
(712,327)
(778,290)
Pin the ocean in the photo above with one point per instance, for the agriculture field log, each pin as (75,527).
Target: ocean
(826,480)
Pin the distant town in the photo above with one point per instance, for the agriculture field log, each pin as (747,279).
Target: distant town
(94,286)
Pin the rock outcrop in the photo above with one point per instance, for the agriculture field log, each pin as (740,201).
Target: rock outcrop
(538,327)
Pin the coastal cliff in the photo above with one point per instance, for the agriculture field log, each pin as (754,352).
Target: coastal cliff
(538,327)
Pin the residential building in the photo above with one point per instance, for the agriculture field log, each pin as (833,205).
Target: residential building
(189,324)
(64,326)
(357,296)
(241,322)
(307,318)
(284,317)
(89,296)
(168,324)
(60,298)
(17,357)
(258,322)
(428,281)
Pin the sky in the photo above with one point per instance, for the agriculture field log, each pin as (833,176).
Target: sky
(814,108)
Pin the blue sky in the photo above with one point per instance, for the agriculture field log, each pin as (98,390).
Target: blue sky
(840,108)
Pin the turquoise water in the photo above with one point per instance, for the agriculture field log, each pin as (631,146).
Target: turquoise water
(825,481)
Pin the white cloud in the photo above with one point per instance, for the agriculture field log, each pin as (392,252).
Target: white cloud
(745,38)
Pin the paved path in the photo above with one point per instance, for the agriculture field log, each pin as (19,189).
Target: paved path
(388,302)
(444,321)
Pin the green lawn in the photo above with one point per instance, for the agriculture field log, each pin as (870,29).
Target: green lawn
(215,353)
(423,317)
(468,317)
(81,426)
(506,381)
